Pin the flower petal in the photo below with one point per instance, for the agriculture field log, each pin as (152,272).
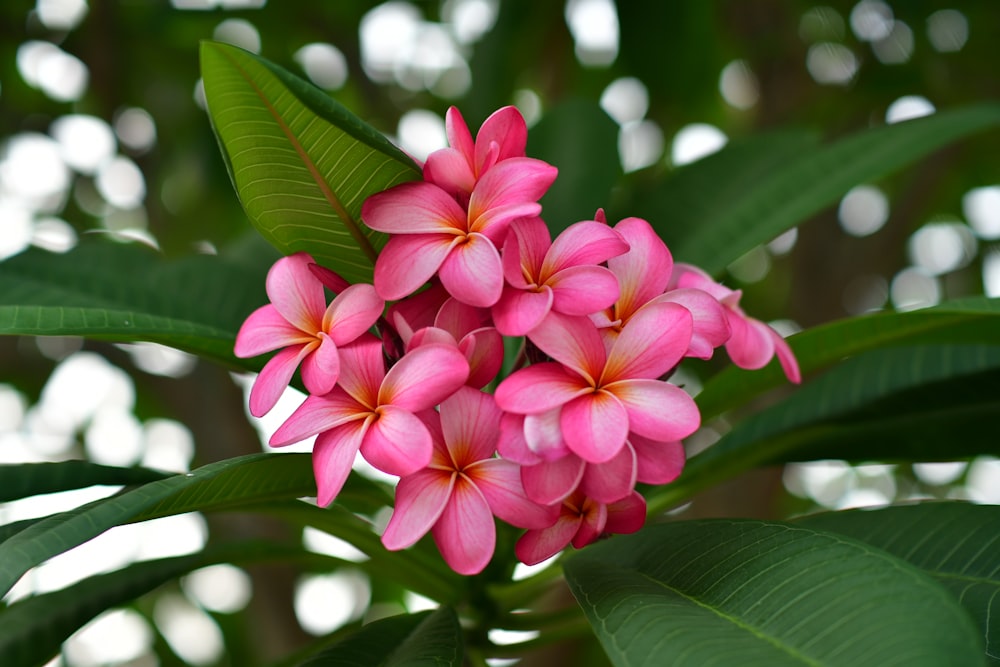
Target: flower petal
(595,517)
(595,426)
(458,318)
(424,377)
(500,483)
(483,349)
(582,290)
(572,341)
(472,272)
(751,345)
(657,462)
(352,312)
(789,364)
(512,444)
(470,421)
(543,435)
(539,388)
(362,369)
(611,480)
(296,293)
(627,515)
(407,262)
(657,409)
(583,243)
(711,326)
(265,330)
(318,414)
(653,342)
(333,455)
(414,208)
(274,378)
(397,442)
(506,128)
(551,482)
(510,189)
(466,533)
(537,545)
(321,368)
(420,500)
(644,271)
(449,169)
(519,311)
(524,251)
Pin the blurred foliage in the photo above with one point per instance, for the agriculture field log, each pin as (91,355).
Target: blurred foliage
(145,54)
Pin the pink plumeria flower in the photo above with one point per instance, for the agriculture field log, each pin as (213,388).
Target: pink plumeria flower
(562,275)
(458,168)
(374,411)
(466,327)
(456,496)
(643,275)
(550,472)
(604,395)
(432,233)
(299,320)
(752,343)
(581,521)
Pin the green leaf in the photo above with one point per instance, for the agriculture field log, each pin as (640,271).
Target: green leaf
(301,163)
(956,543)
(588,170)
(974,320)
(791,192)
(704,190)
(429,639)
(32,630)
(222,485)
(124,293)
(29,479)
(764,593)
(910,403)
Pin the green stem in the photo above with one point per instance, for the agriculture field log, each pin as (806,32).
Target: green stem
(517,594)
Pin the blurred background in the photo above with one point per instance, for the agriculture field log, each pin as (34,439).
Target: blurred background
(103,131)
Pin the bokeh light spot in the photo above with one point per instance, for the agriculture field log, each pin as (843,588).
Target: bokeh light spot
(324,64)
(121,183)
(831,64)
(421,132)
(871,20)
(941,247)
(947,30)
(863,211)
(221,588)
(981,207)
(238,32)
(594,26)
(626,100)
(695,141)
(908,107)
(640,144)
(61,14)
(738,85)
(85,142)
(136,129)
(897,47)
(325,602)
(913,288)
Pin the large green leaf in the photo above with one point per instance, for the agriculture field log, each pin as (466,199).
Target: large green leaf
(244,480)
(428,639)
(117,292)
(764,593)
(909,403)
(766,204)
(29,479)
(32,630)
(974,320)
(588,170)
(956,543)
(301,163)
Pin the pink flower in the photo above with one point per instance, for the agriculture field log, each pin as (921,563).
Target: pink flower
(465,327)
(456,496)
(604,395)
(434,234)
(581,521)
(643,274)
(752,343)
(457,169)
(374,411)
(561,276)
(299,320)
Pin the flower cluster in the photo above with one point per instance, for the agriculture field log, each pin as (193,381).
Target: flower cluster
(587,411)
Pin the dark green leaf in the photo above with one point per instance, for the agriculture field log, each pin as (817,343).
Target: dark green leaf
(800,187)
(124,293)
(429,639)
(301,163)
(974,320)
(956,543)
(588,168)
(910,403)
(750,593)
(222,485)
(29,479)
(32,630)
